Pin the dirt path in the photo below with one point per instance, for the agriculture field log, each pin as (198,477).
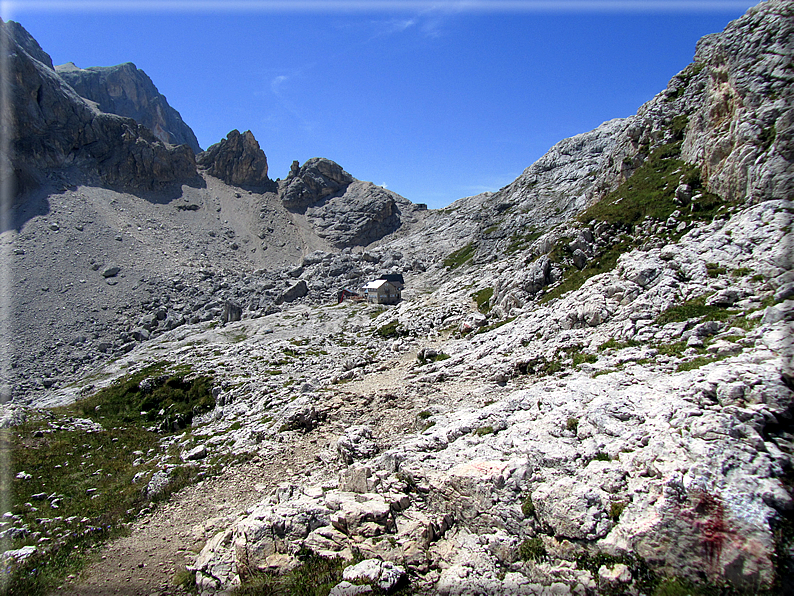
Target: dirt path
(164,541)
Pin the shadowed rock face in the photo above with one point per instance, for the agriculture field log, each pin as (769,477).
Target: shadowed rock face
(26,42)
(127,91)
(53,127)
(237,160)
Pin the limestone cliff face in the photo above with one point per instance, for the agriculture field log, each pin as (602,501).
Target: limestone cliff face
(237,160)
(742,134)
(53,127)
(127,91)
(26,42)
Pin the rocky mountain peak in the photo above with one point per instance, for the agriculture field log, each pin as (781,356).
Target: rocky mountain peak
(237,160)
(127,91)
(313,181)
(25,41)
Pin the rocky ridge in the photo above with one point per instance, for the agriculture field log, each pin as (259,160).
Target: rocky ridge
(54,128)
(127,91)
(592,404)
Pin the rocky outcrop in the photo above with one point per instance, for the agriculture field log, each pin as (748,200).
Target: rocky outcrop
(345,211)
(743,135)
(237,160)
(361,215)
(730,110)
(53,127)
(127,91)
(308,184)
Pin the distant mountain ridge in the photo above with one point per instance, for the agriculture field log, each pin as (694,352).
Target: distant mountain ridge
(127,91)
(53,128)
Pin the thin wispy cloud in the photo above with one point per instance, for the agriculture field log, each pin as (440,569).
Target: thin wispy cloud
(277,88)
(371,6)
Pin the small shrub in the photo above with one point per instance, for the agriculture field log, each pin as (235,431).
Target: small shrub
(572,424)
(615,509)
(528,507)
(484,430)
(532,549)
(601,456)
(424,414)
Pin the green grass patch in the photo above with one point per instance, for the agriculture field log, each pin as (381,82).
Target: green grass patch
(650,190)
(528,507)
(715,270)
(460,256)
(573,278)
(615,509)
(522,241)
(483,300)
(437,358)
(532,549)
(614,344)
(77,486)
(484,430)
(578,358)
(694,308)
(698,362)
(674,349)
(391,330)
(493,326)
(315,576)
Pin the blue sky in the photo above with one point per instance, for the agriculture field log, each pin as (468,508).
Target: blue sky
(435,100)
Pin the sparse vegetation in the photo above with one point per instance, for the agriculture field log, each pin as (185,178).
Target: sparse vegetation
(522,241)
(615,509)
(694,308)
(460,256)
(484,430)
(532,549)
(715,270)
(528,507)
(572,424)
(496,325)
(483,300)
(391,330)
(76,462)
(315,576)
